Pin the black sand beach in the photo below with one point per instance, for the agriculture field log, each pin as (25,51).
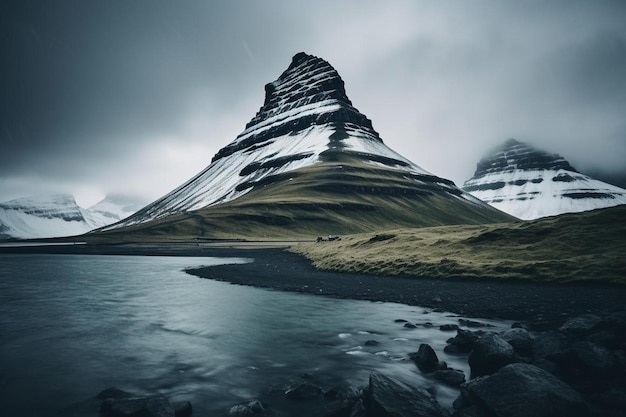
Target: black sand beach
(278,269)
(282,270)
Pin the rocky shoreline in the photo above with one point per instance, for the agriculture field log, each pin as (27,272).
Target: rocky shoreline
(539,368)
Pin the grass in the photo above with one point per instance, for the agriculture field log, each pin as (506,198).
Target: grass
(339,197)
(585,247)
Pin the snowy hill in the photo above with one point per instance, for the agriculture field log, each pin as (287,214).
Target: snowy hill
(307,146)
(116,207)
(55,216)
(529,183)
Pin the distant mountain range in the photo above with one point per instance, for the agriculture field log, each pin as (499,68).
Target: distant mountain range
(529,183)
(308,163)
(58,215)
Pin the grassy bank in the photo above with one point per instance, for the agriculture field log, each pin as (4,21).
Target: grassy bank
(588,247)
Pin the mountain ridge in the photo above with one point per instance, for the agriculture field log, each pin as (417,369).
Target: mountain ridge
(57,215)
(530,183)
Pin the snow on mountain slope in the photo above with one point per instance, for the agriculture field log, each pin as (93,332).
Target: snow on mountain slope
(43,216)
(116,207)
(529,183)
(306,119)
(57,215)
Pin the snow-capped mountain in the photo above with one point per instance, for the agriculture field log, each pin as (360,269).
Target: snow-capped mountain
(116,207)
(57,215)
(307,129)
(529,183)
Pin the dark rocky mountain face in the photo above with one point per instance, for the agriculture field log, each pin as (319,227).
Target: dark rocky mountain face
(309,154)
(517,156)
(529,183)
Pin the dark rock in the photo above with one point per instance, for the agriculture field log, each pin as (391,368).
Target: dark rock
(585,360)
(428,325)
(448,327)
(543,325)
(410,325)
(463,342)
(581,326)
(183,409)
(606,338)
(113,392)
(400,321)
(452,377)
(614,398)
(251,408)
(358,409)
(137,406)
(425,358)
(473,323)
(386,396)
(490,353)
(549,343)
(518,325)
(372,343)
(304,391)
(342,392)
(520,339)
(523,390)
(341,401)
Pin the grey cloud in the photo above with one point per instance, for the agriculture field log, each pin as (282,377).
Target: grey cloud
(90,88)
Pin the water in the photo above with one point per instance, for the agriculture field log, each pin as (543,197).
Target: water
(71,326)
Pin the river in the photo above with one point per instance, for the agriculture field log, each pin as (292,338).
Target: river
(73,325)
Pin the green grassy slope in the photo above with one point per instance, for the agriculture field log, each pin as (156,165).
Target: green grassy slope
(327,198)
(588,246)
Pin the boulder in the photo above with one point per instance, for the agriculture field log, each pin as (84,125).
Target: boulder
(473,323)
(251,408)
(304,391)
(452,377)
(183,409)
(586,360)
(386,396)
(549,343)
(581,326)
(523,390)
(463,342)
(520,339)
(490,353)
(113,392)
(137,406)
(448,327)
(426,359)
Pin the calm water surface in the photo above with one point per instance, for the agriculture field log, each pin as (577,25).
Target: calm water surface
(72,325)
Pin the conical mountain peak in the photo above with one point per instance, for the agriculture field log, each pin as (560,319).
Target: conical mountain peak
(308,93)
(307,161)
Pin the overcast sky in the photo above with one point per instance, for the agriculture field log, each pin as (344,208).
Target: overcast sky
(137,96)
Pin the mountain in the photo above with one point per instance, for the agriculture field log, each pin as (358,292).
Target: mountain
(58,215)
(529,183)
(308,162)
(116,207)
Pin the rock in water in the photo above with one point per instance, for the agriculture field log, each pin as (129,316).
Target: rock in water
(426,359)
(389,397)
(143,406)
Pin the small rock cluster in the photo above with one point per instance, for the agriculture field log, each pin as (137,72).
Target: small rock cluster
(573,368)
